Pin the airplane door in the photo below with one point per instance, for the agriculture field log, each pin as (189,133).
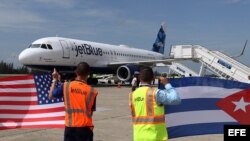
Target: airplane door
(66,49)
(113,56)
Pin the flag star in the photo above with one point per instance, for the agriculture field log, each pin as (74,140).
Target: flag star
(241,104)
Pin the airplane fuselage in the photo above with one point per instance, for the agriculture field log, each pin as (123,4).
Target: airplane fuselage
(65,53)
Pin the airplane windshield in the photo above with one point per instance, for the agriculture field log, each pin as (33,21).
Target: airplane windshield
(35,46)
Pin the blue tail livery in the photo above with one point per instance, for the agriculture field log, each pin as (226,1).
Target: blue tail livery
(159,43)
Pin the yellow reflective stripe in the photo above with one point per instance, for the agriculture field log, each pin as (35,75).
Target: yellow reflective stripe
(68,104)
(69,111)
(147,120)
(89,98)
(149,102)
(131,105)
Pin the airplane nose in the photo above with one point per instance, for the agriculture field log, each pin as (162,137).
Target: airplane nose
(23,57)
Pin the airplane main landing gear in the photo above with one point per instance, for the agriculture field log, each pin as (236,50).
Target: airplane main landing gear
(92,81)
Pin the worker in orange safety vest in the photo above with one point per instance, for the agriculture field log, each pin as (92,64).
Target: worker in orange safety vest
(79,101)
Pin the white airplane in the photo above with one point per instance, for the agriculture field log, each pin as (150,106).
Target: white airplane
(65,53)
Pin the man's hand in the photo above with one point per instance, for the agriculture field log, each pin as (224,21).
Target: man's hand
(163,80)
(55,74)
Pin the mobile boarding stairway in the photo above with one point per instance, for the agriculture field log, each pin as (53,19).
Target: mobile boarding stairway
(217,62)
(182,70)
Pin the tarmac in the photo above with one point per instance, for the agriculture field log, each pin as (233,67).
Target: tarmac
(112,122)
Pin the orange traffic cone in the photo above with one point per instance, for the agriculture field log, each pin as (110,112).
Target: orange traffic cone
(119,85)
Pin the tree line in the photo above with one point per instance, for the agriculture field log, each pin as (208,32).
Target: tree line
(8,68)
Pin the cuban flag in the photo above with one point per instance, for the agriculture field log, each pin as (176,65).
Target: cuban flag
(207,105)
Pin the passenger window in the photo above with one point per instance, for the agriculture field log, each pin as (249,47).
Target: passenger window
(44,46)
(49,46)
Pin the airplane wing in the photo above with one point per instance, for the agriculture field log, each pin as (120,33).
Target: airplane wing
(167,61)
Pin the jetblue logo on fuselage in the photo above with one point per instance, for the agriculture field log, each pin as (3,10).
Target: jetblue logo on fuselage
(87,49)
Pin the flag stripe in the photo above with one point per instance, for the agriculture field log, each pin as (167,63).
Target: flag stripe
(17,82)
(8,111)
(32,115)
(17,90)
(194,105)
(32,119)
(18,102)
(18,86)
(24,98)
(34,126)
(198,129)
(175,119)
(16,78)
(18,94)
(205,92)
(32,123)
(207,81)
(31,107)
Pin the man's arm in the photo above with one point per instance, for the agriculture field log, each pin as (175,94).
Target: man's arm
(55,91)
(167,96)
(52,88)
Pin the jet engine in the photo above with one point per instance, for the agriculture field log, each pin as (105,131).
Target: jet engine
(125,72)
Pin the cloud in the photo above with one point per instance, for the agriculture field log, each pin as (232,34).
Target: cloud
(237,1)
(234,1)
(23,18)
(16,15)
(99,13)
(59,3)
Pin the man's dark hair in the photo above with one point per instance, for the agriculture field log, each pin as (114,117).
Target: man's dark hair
(146,74)
(82,69)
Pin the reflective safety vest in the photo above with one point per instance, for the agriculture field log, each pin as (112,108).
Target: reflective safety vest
(78,100)
(148,117)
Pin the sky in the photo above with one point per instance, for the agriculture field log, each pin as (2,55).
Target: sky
(222,25)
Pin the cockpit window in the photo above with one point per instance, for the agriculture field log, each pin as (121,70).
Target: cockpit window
(44,46)
(49,46)
(35,46)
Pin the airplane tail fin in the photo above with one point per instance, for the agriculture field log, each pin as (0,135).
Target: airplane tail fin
(159,43)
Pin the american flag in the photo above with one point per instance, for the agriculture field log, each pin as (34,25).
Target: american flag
(24,103)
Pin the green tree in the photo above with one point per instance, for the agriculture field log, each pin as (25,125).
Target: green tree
(8,68)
